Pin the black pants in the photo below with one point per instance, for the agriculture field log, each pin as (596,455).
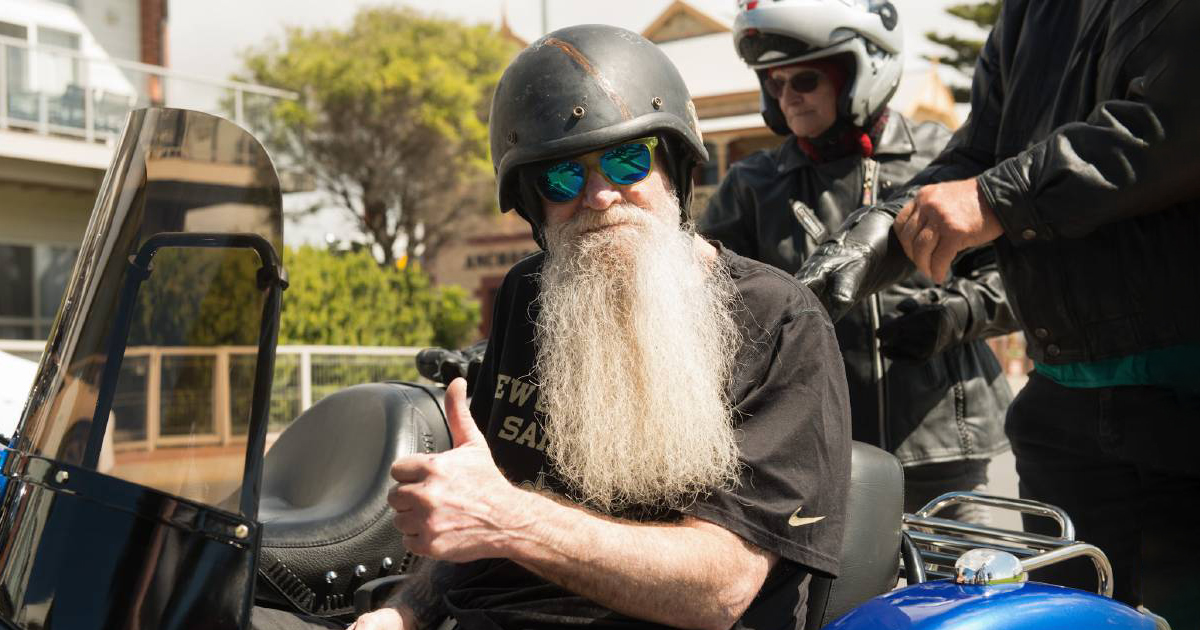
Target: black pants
(1124,462)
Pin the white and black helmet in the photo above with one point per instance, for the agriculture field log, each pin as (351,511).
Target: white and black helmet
(770,33)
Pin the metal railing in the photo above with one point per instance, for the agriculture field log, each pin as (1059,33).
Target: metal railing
(59,91)
(935,545)
(214,382)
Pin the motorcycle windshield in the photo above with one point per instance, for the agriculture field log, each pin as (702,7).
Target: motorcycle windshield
(151,368)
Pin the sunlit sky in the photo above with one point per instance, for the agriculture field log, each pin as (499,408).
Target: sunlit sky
(206,38)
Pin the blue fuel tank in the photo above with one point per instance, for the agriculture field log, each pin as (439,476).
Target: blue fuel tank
(944,605)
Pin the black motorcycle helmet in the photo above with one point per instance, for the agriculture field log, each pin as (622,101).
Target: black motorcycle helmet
(582,88)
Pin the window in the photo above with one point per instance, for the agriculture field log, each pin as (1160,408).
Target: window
(54,37)
(15,31)
(59,75)
(17,69)
(33,279)
(16,292)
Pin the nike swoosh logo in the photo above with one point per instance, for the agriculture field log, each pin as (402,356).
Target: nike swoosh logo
(795,520)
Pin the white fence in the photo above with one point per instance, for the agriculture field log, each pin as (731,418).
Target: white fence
(211,386)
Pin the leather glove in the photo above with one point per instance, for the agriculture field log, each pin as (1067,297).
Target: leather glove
(442,365)
(928,323)
(859,259)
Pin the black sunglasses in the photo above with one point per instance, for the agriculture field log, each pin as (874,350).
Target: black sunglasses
(801,83)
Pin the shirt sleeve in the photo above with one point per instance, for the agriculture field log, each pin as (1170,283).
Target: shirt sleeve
(795,448)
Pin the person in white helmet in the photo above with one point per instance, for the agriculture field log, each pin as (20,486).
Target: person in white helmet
(936,397)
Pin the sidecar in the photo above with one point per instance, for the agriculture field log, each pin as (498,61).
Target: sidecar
(162,355)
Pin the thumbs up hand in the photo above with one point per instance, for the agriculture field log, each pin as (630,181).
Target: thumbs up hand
(463,430)
(455,505)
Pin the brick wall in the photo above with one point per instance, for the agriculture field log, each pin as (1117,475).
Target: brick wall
(153,20)
(153,26)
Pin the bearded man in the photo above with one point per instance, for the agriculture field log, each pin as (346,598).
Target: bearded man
(659,431)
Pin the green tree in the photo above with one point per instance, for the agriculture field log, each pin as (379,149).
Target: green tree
(392,122)
(964,52)
(347,299)
(198,297)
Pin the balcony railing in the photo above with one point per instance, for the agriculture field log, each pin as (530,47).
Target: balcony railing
(58,91)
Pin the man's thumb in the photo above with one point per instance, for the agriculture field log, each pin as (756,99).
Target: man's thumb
(458,415)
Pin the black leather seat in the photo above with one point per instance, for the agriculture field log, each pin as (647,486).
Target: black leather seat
(325,481)
(870,558)
(871,546)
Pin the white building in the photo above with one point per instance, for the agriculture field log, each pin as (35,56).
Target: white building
(70,70)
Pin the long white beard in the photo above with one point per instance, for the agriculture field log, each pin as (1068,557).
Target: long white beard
(636,343)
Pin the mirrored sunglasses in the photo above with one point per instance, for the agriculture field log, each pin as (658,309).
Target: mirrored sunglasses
(801,83)
(621,165)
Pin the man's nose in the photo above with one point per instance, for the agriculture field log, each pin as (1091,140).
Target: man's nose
(599,194)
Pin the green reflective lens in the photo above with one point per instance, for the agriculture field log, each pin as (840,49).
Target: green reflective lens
(562,182)
(626,164)
(622,165)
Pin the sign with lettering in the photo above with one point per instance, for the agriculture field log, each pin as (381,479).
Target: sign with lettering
(491,260)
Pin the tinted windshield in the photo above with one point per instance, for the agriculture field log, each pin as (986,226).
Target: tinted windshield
(182,387)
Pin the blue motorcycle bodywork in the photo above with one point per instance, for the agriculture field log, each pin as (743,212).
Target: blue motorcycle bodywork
(944,605)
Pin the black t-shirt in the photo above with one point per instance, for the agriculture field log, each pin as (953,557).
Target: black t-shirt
(790,391)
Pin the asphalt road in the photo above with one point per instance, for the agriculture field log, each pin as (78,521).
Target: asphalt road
(1002,476)
(1002,480)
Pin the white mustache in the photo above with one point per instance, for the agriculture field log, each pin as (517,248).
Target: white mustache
(588,220)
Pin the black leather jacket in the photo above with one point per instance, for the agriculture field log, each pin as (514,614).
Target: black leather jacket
(777,207)
(1083,132)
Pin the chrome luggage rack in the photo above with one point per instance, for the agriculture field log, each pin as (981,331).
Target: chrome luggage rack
(936,548)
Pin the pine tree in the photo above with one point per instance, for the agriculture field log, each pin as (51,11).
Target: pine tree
(964,52)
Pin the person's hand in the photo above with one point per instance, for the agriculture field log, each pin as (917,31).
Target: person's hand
(382,619)
(928,324)
(943,220)
(834,272)
(854,262)
(455,505)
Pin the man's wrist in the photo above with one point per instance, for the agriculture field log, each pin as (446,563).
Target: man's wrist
(529,536)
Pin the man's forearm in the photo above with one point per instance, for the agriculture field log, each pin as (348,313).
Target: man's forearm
(691,575)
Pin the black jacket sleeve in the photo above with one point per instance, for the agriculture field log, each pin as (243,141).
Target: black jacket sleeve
(1130,156)
(977,279)
(1126,159)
